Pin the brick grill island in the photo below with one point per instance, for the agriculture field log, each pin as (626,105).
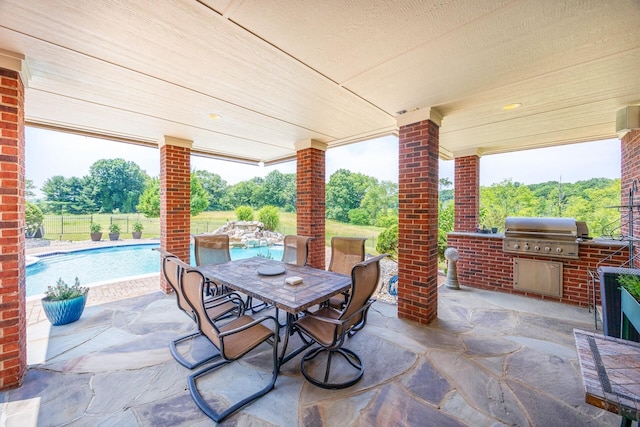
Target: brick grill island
(483,264)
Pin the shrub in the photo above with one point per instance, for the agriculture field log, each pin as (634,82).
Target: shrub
(270,217)
(138,227)
(244,213)
(62,291)
(34,218)
(388,241)
(359,216)
(114,228)
(95,227)
(386,221)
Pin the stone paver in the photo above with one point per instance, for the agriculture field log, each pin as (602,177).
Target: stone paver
(482,363)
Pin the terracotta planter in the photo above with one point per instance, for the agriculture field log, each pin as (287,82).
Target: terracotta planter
(96,237)
(64,311)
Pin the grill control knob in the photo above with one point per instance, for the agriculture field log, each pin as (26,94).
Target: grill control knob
(537,248)
(559,250)
(547,249)
(516,246)
(526,246)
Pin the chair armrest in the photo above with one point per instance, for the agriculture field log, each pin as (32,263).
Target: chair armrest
(221,299)
(251,324)
(343,321)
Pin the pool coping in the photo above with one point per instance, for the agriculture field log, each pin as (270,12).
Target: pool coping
(70,251)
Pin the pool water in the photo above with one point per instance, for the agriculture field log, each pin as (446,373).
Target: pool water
(110,263)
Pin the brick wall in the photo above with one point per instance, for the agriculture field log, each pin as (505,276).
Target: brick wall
(629,172)
(418,222)
(175,202)
(310,202)
(483,264)
(467,193)
(13,336)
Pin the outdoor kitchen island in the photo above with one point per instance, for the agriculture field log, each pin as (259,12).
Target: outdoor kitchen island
(483,263)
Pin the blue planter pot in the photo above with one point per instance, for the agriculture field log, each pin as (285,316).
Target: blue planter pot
(64,311)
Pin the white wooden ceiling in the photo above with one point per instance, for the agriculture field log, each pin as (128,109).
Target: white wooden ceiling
(337,71)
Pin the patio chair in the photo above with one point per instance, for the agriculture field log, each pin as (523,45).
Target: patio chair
(212,249)
(329,327)
(345,253)
(217,307)
(232,340)
(296,251)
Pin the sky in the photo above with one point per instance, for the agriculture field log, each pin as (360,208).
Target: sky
(50,153)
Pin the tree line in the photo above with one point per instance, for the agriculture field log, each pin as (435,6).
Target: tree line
(119,186)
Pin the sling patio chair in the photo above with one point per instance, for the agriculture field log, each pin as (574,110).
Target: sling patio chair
(232,340)
(329,327)
(216,307)
(211,249)
(296,251)
(345,253)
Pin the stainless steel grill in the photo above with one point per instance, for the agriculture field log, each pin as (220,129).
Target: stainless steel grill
(552,237)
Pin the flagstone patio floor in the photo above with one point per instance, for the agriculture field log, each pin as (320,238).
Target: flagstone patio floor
(490,359)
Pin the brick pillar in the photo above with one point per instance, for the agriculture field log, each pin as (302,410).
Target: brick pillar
(310,199)
(175,199)
(467,193)
(629,172)
(418,222)
(13,325)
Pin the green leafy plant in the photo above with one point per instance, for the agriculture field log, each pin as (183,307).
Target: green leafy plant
(270,217)
(388,241)
(34,217)
(62,291)
(267,255)
(95,227)
(137,226)
(114,228)
(244,213)
(631,282)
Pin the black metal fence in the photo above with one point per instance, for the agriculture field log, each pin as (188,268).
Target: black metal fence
(78,224)
(57,226)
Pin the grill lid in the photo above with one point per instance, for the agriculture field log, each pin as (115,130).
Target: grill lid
(549,228)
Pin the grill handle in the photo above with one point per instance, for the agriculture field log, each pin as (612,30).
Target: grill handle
(538,234)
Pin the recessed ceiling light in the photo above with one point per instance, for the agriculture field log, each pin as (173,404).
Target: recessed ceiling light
(513,106)
(213,116)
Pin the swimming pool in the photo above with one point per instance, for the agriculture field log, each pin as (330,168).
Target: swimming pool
(110,263)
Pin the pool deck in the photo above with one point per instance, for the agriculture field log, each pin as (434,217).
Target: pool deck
(101,292)
(490,359)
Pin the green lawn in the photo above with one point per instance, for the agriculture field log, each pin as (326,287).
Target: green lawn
(66,228)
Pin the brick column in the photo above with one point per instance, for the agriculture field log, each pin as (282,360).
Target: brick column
(418,222)
(175,199)
(467,193)
(310,198)
(629,172)
(13,325)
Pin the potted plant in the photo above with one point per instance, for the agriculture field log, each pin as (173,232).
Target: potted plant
(64,304)
(630,303)
(114,231)
(95,231)
(137,230)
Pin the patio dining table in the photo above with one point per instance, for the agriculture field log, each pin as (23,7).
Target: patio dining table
(610,369)
(266,279)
